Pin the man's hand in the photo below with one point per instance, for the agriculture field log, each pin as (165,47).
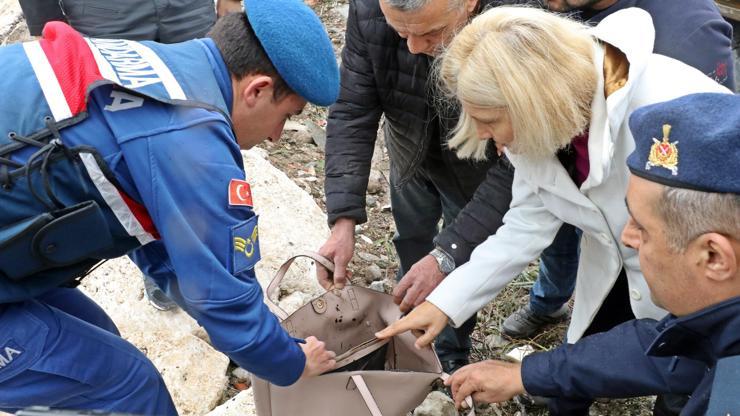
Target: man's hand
(487,382)
(318,359)
(426,322)
(418,283)
(339,249)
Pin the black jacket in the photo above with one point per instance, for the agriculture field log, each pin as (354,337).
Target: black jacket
(379,76)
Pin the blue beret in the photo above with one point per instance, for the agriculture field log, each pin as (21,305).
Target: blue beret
(298,46)
(691,142)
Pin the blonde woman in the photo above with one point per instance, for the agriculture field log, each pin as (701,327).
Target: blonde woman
(555,97)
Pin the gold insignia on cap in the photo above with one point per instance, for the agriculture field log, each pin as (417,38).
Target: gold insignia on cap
(664,153)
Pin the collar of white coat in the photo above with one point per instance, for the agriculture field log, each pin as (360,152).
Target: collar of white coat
(631,31)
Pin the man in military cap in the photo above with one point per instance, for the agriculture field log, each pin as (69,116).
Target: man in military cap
(111,145)
(684,204)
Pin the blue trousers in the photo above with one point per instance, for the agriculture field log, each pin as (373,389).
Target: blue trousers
(558,269)
(62,350)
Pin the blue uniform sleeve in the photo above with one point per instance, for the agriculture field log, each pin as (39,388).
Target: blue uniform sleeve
(610,364)
(182,173)
(698,36)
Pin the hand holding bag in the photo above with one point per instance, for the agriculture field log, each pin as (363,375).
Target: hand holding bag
(373,377)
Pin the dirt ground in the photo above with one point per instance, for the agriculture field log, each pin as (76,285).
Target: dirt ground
(298,155)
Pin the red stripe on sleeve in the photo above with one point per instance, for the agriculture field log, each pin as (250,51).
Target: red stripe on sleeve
(141,215)
(72,61)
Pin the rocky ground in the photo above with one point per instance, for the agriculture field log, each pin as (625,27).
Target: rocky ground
(292,218)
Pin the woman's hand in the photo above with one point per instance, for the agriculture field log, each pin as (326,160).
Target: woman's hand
(426,321)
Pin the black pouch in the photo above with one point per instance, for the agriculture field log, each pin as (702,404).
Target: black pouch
(59,238)
(373,361)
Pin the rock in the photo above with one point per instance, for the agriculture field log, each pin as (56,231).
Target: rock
(303,136)
(494,341)
(292,125)
(195,373)
(371,201)
(373,273)
(365,238)
(240,373)
(436,404)
(386,208)
(343,11)
(295,300)
(518,353)
(10,16)
(318,134)
(290,223)
(375,182)
(377,286)
(202,334)
(368,256)
(240,405)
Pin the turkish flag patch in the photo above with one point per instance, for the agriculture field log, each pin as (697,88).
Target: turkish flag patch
(240,193)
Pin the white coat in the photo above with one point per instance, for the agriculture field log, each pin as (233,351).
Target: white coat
(544,196)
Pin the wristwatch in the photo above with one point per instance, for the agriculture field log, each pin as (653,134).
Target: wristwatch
(445,262)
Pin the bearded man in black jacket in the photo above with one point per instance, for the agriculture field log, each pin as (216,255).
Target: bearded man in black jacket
(386,66)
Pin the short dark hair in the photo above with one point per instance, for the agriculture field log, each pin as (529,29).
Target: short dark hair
(243,53)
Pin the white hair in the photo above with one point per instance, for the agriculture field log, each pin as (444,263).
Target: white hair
(688,214)
(536,65)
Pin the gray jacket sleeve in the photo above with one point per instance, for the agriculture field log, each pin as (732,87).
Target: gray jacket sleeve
(351,129)
(482,216)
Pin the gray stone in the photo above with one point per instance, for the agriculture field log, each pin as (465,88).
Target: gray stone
(494,341)
(292,125)
(303,136)
(240,373)
(371,201)
(368,256)
(365,238)
(318,134)
(240,405)
(378,286)
(375,182)
(373,273)
(436,404)
(343,11)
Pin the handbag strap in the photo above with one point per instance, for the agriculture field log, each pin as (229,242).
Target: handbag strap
(372,406)
(274,286)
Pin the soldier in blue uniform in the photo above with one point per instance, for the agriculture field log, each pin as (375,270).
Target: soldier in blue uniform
(107,146)
(684,203)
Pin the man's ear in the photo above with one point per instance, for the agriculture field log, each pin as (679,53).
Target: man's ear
(717,257)
(256,88)
(470,6)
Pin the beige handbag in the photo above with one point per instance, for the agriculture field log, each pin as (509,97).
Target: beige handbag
(373,377)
